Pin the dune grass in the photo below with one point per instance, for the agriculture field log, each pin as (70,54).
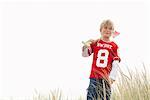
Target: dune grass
(134,86)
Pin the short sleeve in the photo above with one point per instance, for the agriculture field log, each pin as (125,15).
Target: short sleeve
(93,45)
(116,54)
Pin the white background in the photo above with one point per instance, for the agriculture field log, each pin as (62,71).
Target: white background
(40,42)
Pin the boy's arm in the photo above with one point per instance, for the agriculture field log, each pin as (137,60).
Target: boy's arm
(87,48)
(114,70)
(86,51)
(115,64)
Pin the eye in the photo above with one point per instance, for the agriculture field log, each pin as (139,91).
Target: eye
(110,28)
(105,27)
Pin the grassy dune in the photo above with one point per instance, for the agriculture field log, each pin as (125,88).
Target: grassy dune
(134,86)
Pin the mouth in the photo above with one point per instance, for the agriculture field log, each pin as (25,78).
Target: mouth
(107,33)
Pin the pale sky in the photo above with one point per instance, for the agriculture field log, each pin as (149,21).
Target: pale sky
(40,45)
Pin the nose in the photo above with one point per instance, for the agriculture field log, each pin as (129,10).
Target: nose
(108,30)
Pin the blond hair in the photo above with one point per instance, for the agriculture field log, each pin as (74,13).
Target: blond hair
(107,23)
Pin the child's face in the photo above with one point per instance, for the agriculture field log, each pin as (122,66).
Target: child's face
(106,31)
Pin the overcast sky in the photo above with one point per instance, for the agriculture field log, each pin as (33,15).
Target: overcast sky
(40,45)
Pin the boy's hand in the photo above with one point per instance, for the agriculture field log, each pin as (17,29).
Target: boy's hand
(111,81)
(87,43)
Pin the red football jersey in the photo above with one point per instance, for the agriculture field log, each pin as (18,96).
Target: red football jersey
(103,55)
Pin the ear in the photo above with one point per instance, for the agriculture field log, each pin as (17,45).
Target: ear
(100,29)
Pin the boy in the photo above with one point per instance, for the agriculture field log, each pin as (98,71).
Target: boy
(105,63)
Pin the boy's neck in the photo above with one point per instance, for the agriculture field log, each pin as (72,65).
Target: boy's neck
(105,39)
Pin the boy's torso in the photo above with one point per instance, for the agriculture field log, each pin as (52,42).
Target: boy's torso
(103,54)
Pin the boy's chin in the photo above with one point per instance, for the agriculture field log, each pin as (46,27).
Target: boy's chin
(107,36)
